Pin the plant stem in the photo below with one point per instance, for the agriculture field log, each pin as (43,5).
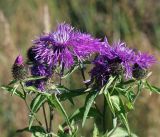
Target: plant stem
(82,73)
(24,91)
(138,92)
(51,119)
(45,118)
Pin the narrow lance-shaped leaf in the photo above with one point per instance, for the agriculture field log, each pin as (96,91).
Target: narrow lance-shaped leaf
(35,105)
(152,88)
(37,102)
(119,106)
(105,87)
(88,103)
(109,102)
(78,114)
(33,78)
(54,102)
(95,131)
(13,90)
(71,71)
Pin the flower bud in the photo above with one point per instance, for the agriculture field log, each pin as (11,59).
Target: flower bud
(138,72)
(19,71)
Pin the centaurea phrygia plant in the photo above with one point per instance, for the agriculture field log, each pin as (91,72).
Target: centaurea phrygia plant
(118,73)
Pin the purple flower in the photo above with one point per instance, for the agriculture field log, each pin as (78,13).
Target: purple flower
(119,53)
(40,70)
(113,61)
(142,62)
(19,60)
(126,55)
(62,46)
(100,72)
(19,71)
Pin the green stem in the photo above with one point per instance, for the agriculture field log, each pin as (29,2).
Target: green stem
(51,119)
(138,92)
(45,118)
(83,75)
(24,92)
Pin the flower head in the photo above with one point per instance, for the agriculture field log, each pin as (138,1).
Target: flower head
(125,55)
(62,46)
(19,71)
(113,60)
(120,54)
(142,62)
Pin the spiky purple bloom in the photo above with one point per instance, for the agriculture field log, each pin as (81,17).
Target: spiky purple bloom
(63,46)
(100,72)
(142,62)
(126,55)
(113,60)
(121,53)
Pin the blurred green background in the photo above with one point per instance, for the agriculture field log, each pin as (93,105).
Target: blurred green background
(135,21)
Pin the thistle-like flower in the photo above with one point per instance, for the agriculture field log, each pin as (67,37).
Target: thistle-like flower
(19,71)
(113,61)
(142,62)
(63,46)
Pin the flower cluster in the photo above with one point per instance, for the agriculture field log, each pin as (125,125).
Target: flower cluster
(61,48)
(118,59)
(66,46)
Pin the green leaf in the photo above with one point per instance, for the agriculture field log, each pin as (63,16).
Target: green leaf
(32,129)
(105,87)
(31,120)
(124,120)
(119,132)
(88,103)
(95,131)
(78,114)
(33,78)
(37,102)
(115,102)
(35,105)
(31,88)
(13,90)
(128,82)
(109,102)
(13,82)
(119,106)
(36,131)
(69,94)
(54,102)
(70,71)
(153,88)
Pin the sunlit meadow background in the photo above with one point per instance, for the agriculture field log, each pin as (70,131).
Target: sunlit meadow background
(135,21)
